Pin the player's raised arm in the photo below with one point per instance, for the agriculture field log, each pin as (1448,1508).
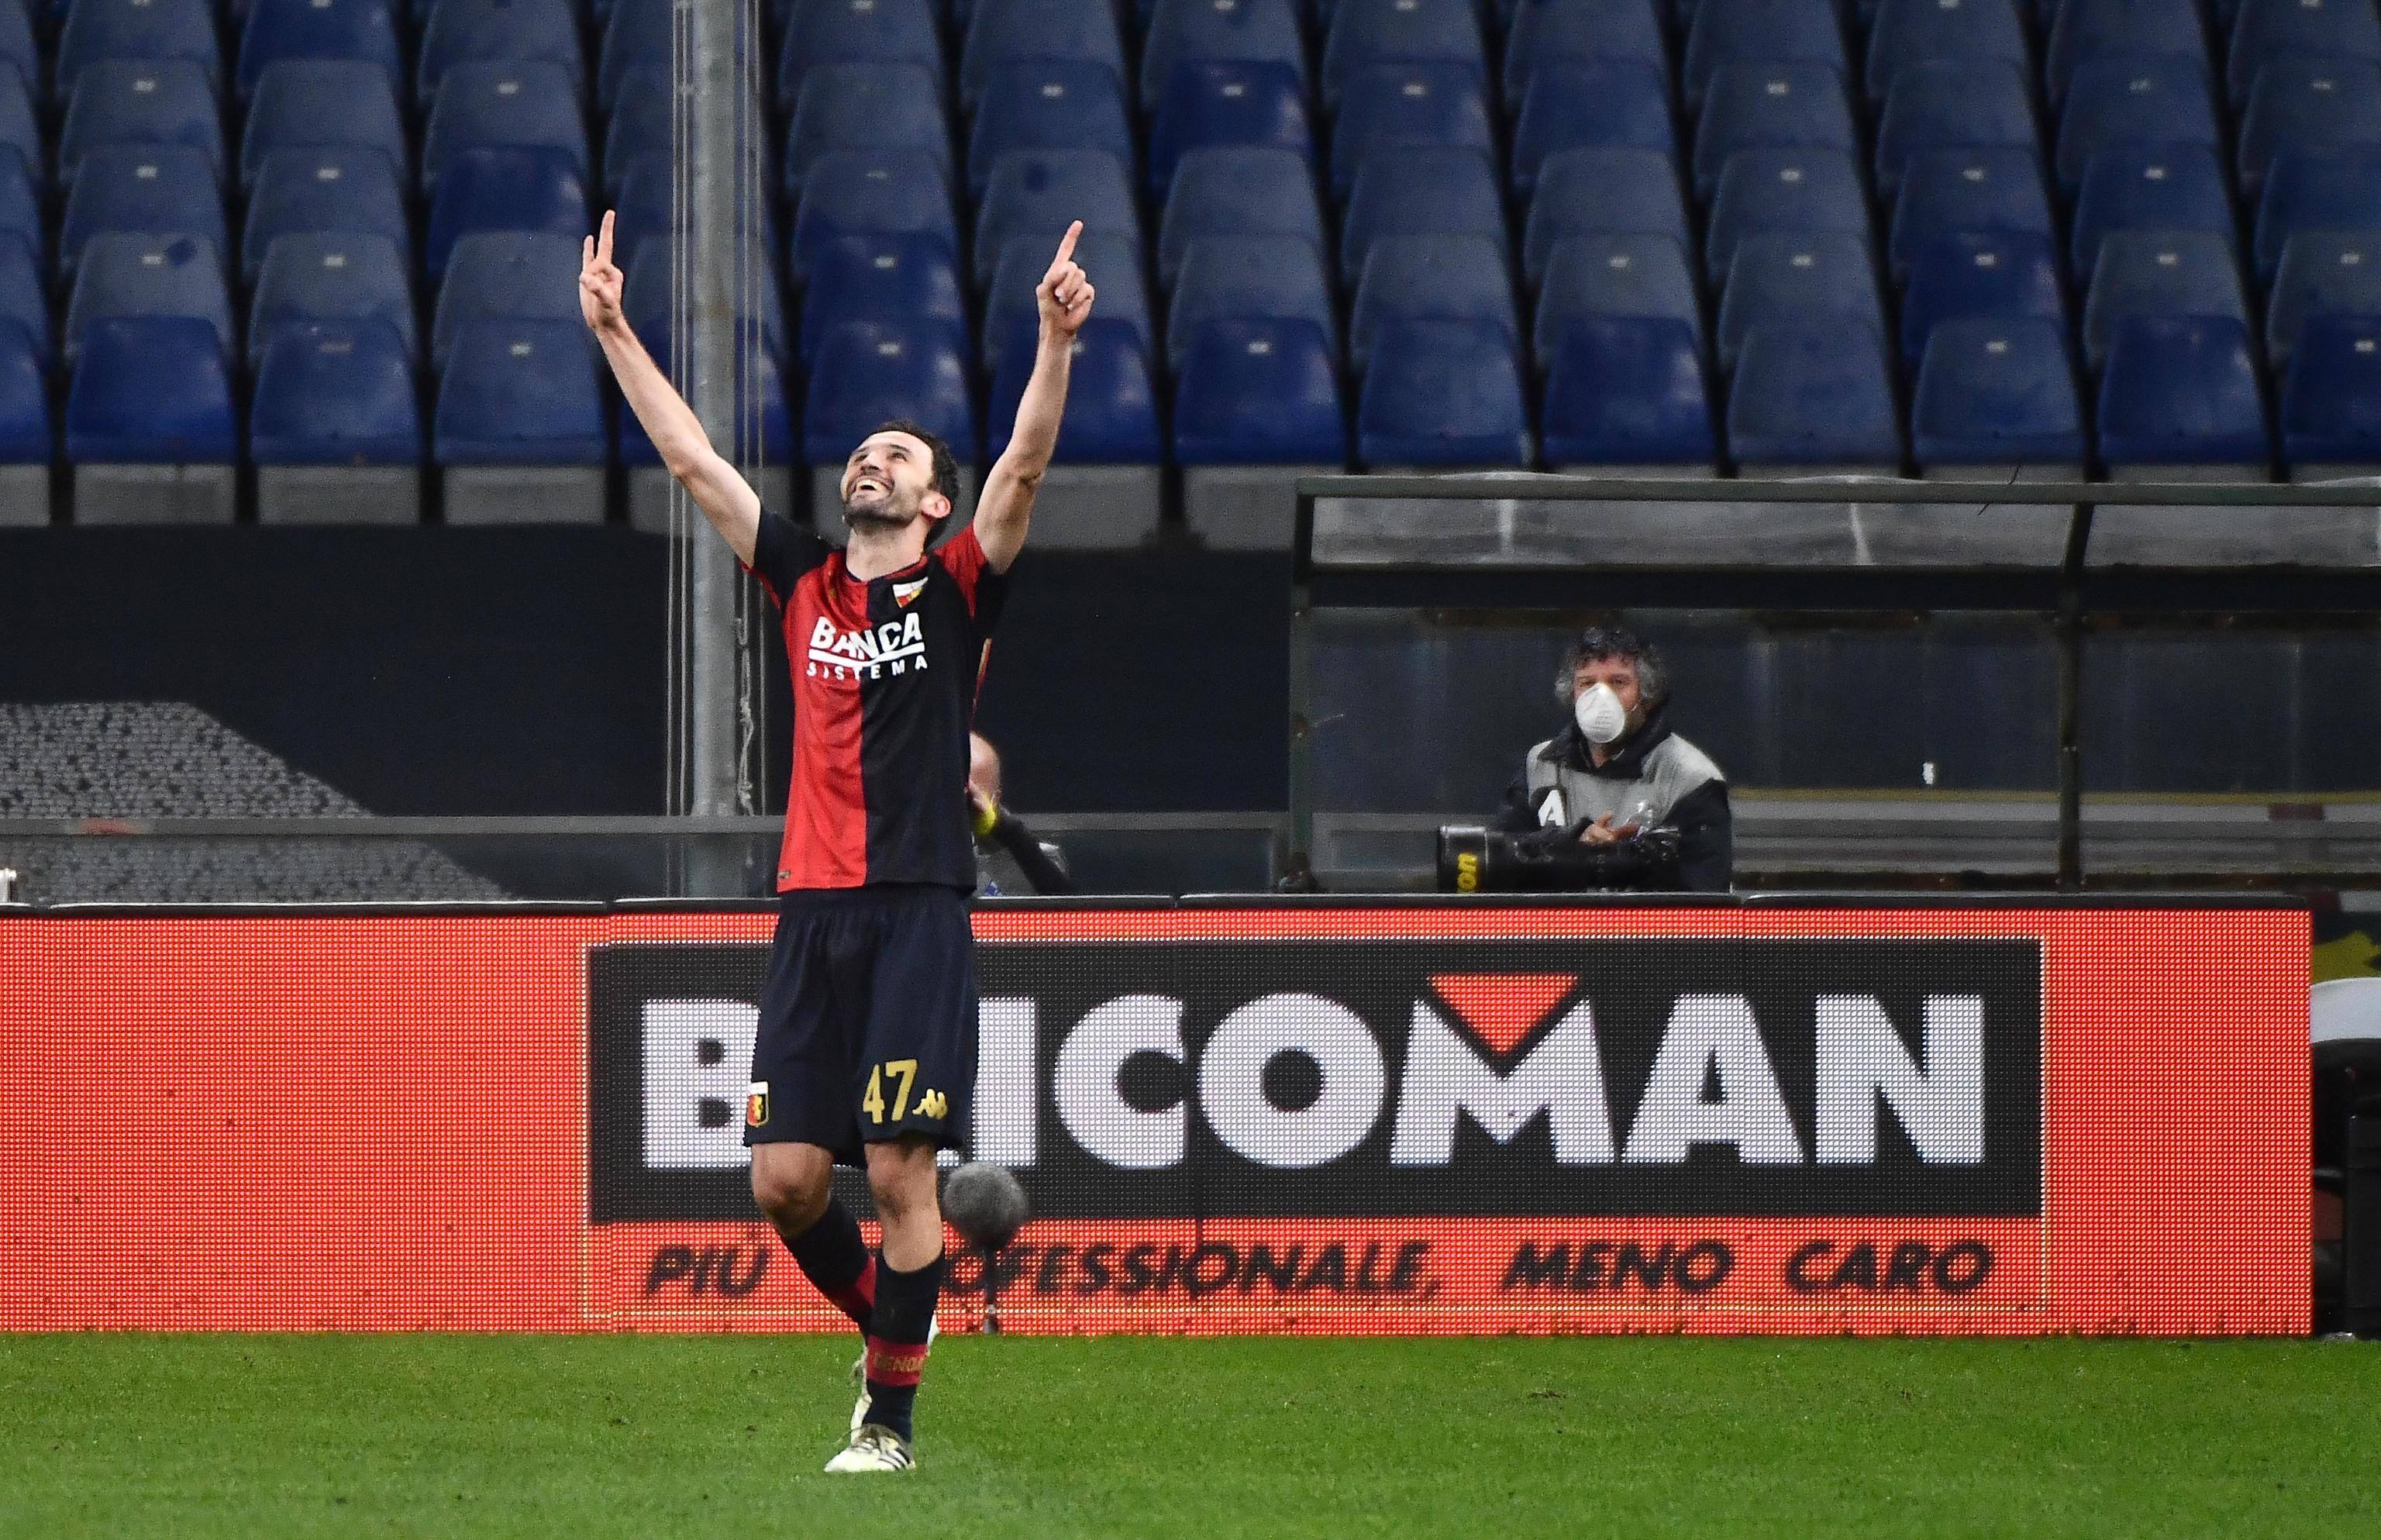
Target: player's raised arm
(1006,506)
(726,498)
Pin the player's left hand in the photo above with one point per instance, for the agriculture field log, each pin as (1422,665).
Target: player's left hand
(1065,295)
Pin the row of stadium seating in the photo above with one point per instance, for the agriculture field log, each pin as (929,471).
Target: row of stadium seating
(2129,235)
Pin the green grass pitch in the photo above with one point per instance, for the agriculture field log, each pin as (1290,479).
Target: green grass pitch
(272,1436)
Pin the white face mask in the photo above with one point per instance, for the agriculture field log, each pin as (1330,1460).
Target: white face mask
(1599,714)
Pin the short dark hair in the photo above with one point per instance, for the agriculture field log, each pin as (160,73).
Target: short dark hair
(1600,641)
(946,469)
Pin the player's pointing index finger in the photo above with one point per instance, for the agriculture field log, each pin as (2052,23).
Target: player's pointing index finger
(1067,246)
(603,241)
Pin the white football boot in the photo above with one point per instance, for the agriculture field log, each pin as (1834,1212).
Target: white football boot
(860,1378)
(874,1448)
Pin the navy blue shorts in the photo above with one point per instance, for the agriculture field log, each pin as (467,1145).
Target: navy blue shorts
(867,1029)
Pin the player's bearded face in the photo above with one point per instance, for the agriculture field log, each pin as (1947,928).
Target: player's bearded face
(886,484)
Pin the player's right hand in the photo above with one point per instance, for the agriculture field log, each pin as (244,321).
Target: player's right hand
(599,281)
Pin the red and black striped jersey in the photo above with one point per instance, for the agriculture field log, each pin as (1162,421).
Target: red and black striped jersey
(884,676)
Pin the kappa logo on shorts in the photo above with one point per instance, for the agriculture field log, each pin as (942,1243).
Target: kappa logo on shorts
(756,1105)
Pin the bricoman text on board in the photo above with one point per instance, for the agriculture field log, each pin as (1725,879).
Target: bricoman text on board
(1361,1078)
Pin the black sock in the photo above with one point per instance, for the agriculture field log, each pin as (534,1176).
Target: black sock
(835,1260)
(896,1341)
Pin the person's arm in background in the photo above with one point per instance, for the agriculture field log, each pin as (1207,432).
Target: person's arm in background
(1003,827)
(1706,838)
(1006,508)
(726,498)
(1518,815)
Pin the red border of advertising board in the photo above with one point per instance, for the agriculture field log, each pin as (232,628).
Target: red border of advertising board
(379,1121)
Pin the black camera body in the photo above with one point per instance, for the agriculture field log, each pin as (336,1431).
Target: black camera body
(1552,859)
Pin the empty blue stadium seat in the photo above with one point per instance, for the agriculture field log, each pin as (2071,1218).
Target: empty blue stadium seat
(1589,104)
(521,393)
(20,128)
(1913,31)
(338,393)
(1420,193)
(315,104)
(2088,29)
(1983,273)
(882,278)
(2181,391)
(1756,106)
(1936,104)
(1004,32)
(1452,278)
(2308,106)
(115,414)
(1038,192)
(1801,189)
(1786,280)
(872,193)
(137,101)
(1443,393)
(1997,390)
(2322,273)
(152,189)
(642,35)
(2157,187)
(2335,30)
(1232,190)
(125,273)
(518,32)
(2331,396)
(20,212)
(24,299)
(1599,192)
(505,275)
(1257,392)
(1765,32)
(1813,397)
(1395,107)
(1112,262)
(1613,275)
(881,33)
(1946,191)
(1365,33)
(1230,101)
(1111,407)
(347,191)
(867,108)
(491,104)
(1045,104)
(1626,390)
(2136,100)
(1545,31)
(864,376)
(1248,277)
(2158,272)
(16,45)
(504,189)
(150,29)
(1217,31)
(358,31)
(313,279)
(2316,192)
(24,396)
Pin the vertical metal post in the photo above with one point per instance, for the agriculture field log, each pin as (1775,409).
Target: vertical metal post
(1297,872)
(2071,702)
(711,166)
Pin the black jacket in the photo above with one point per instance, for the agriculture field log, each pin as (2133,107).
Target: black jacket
(1706,829)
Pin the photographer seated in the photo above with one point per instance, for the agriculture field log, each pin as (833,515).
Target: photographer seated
(1616,800)
(1009,861)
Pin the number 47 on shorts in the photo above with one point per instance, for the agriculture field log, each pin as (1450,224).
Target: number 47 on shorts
(901,1075)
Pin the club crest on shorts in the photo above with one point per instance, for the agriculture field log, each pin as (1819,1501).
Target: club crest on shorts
(756,1105)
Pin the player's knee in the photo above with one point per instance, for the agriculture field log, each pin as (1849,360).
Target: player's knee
(902,1179)
(791,1195)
